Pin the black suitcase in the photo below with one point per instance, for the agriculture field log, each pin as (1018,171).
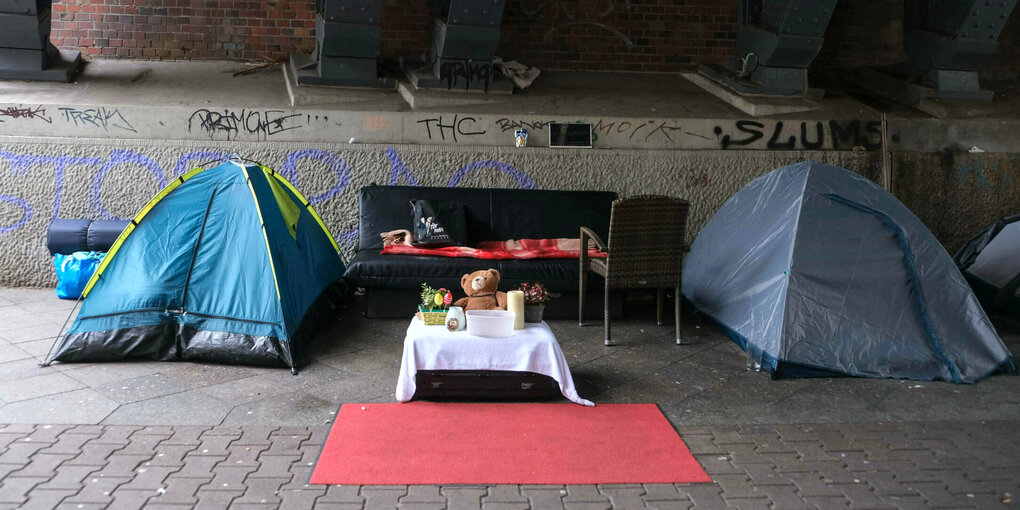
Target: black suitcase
(484,385)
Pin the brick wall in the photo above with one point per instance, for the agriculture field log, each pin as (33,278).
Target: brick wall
(637,35)
(405,26)
(184,29)
(631,35)
(863,33)
(648,35)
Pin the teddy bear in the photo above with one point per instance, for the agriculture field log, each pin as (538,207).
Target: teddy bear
(481,289)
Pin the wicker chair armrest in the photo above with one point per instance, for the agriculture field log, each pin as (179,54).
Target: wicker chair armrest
(587,233)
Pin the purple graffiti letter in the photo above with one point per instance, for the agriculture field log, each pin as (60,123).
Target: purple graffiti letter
(398,168)
(118,157)
(26,212)
(522,179)
(334,162)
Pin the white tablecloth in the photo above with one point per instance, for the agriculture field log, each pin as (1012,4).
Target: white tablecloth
(532,349)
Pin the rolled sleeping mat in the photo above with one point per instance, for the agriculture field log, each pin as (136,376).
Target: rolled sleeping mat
(104,233)
(67,236)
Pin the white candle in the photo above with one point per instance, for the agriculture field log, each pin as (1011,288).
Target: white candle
(515,304)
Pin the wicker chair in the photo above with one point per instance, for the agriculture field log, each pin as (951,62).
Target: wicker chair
(646,244)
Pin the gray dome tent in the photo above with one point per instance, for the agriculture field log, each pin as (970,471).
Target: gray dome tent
(991,263)
(815,270)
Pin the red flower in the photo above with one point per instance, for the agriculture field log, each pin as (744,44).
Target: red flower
(535,293)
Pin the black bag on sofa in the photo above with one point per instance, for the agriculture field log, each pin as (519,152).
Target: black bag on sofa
(438,223)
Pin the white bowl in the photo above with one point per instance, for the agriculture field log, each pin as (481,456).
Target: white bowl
(491,323)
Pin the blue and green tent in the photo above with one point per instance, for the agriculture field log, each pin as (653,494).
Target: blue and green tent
(228,264)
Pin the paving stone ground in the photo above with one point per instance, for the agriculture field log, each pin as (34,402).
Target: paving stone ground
(951,464)
(188,435)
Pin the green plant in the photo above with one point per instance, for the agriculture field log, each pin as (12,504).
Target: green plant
(433,299)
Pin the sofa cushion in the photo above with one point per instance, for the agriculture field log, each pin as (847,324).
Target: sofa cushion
(558,275)
(371,269)
(549,214)
(490,214)
(386,208)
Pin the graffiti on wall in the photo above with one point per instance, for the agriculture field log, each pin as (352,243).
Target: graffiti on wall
(298,164)
(25,112)
(506,124)
(452,71)
(648,130)
(230,124)
(100,117)
(989,174)
(658,131)
(460,125)
(806,135)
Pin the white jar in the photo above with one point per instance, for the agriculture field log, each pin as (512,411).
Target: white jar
(455,320)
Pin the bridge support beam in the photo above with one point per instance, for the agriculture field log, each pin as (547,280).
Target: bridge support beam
(465,34)
(25,49)
(347,35)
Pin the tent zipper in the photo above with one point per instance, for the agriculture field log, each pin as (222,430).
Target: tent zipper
(177,312)
(251,321)
(139,310)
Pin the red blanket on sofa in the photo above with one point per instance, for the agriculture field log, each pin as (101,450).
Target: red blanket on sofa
(493,250)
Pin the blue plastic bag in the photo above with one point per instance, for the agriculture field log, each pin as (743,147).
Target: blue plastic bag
(74,272)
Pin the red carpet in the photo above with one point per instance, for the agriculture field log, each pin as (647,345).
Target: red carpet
(421,443)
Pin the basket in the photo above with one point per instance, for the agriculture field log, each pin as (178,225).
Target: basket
(433,317)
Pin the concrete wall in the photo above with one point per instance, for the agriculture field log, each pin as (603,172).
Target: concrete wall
(85,178)
(957,195)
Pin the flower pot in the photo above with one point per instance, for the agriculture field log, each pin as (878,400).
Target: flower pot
(533,313)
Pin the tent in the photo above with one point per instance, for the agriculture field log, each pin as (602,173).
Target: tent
(816,271)
(228,264)
(991,263)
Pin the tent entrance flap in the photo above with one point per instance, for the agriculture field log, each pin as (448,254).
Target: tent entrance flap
(911,266)
(288,209)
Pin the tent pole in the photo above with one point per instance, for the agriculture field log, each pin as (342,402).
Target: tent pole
(886,157)
(47,361)
(198,244)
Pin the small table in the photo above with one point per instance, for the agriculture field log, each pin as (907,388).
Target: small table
(532,349)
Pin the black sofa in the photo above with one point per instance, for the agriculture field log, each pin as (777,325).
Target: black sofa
(392,282)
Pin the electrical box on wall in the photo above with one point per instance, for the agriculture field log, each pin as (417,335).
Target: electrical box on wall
(569,135)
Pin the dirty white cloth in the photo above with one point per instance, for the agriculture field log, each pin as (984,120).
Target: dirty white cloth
(521,74)
(532,349)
